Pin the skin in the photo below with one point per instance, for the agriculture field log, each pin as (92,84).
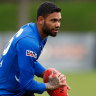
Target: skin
(49,26)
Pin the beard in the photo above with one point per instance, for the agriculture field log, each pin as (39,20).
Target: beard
(47,31)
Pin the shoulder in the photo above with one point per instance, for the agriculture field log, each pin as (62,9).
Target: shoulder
(25,30)
(28,47)
(26,36)
(28,42)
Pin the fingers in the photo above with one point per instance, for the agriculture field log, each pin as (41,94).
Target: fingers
(61,78)
(62,84)
(51,74)
(67,94)
(68,87)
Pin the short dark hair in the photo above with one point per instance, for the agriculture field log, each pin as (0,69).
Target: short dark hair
(46,8)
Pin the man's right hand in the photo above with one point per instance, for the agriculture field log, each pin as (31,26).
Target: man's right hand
(56,81)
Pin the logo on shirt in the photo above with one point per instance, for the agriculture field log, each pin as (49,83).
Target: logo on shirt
(31,53)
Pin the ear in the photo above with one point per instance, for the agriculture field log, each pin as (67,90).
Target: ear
(40,20)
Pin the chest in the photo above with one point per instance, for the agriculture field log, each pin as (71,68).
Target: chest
(40,48)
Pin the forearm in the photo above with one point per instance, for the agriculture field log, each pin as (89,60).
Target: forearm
(49,87)
(39,69)
(35,87)
(42,74)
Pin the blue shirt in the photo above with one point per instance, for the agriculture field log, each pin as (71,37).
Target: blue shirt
(19,64)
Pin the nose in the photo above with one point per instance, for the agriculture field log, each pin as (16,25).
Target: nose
(58,24)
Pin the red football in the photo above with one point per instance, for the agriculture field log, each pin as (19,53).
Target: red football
(61,91)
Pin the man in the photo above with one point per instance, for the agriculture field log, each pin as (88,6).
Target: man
(19,64)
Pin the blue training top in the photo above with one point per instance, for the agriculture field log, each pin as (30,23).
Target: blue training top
(18,63)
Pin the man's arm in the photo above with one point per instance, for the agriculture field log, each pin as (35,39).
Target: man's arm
(27,70)
(42,74)
(39,69)
(55,82)
(26,63)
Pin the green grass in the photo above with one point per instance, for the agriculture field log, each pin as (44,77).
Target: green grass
(76,16)
(8,16)
(82,84)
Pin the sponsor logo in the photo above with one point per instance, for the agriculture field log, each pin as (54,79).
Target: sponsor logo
(31,53)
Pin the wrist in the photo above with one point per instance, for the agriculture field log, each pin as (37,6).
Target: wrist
(48,87)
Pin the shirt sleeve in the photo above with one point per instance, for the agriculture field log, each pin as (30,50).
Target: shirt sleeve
(38,68)
(27,55)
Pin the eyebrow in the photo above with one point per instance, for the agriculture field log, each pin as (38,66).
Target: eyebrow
(55,19)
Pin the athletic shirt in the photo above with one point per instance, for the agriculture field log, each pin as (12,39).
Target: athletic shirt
(19,64)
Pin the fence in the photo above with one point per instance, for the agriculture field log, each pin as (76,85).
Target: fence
(66,52)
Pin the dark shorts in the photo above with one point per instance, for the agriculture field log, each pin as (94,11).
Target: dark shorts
(28,94)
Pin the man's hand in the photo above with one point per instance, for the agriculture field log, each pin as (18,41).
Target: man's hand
(56,81)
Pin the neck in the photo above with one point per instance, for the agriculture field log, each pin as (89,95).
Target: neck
(39,27)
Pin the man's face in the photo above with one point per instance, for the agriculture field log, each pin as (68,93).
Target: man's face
(52,24)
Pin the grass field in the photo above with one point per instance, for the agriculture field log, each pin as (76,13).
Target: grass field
(8,16)
(82,84)
(76,16)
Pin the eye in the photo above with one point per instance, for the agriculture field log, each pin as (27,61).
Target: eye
(60,20)
(54,20)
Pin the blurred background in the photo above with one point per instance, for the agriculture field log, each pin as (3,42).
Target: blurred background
(72,52)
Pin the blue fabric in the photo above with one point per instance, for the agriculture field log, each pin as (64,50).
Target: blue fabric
(19,64)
